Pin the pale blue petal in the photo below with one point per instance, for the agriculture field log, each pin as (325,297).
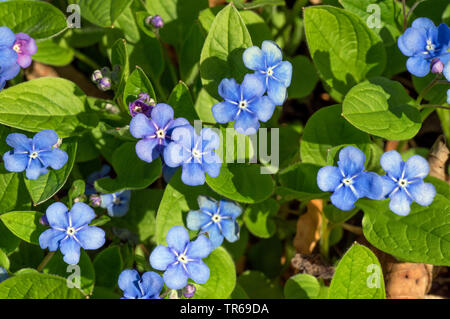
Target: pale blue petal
(161,257)
(199,248)
(416,167)
(91,237)
(81,214)
(177,238)
(422,193)
(198,271)
(175,277)
(351,161)
(254,58)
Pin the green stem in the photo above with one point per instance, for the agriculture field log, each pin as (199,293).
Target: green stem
(45,261)
(87,60)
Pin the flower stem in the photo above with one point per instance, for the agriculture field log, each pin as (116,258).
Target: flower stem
(45,261)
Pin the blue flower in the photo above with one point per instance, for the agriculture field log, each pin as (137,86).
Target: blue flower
(244,104)
(3,274)
(104,171)
(155,133)
(216,219)
(8,57)
(70,231)
(349,181)
(117,204)
(135,287)
(404,184)
(34,155)
(270,69)
(195,154)
(423,42)
(182,259)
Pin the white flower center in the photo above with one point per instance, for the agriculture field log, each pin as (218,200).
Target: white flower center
(402,182)
(182,258)
(160,133)
(70,231)
(216,218)
(33,155)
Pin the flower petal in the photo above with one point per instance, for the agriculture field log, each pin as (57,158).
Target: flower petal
(422,193)
(51,238)
(343,198)
(229,208)
(276,91)
(193,174)
(263,107)
(329,178)
(196,219)
(147,149)
(252,87)
(45,139)
(272,51)
(81,214)
(400,203)
(177,238)
(254,58)
(416,167)
(141,126)
(20,142)
(57,216)
(198,271)
(199,248)
(230,90)
(56,158)
(15,162)
(71,251)
(351,161)
(162,114)
(91,237)
(246,123)
(161,257)
(418,66)
(175,276)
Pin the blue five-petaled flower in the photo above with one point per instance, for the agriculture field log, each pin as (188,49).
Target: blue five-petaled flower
(182,259)
(34,155)
(196,154)
(117,204)
(404,184)
(349,181)
(267,63)
(136,287)
(218,219)
(244,104)
(70,231)
(422,43)
(154,132)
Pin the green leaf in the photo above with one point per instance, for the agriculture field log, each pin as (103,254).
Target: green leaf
(304,77)
(37,286)
(49,184)
(24,225)
(222,279)
(299,181)
(382,107)
(358,276)
(181,101)
(46,103)
(304,286)
(237,182)
(102,13)
(178,198)
(137,83)
(326,129)
(258,286)
(222,52)
(108,265)
(38,19)
(139,176)
(345,51)
(422,236)
(57,266)
(259,218)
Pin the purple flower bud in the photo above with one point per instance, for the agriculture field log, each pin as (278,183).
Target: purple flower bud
(96,200)
(43,221)
(437,66)
(189,291)
(97,76)
(25,46)
(104,84)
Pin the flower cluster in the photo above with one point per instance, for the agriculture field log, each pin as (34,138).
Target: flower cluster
(402,184)
(34,155)
(176,141)
(15,53)
(70,231)
(246,104)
